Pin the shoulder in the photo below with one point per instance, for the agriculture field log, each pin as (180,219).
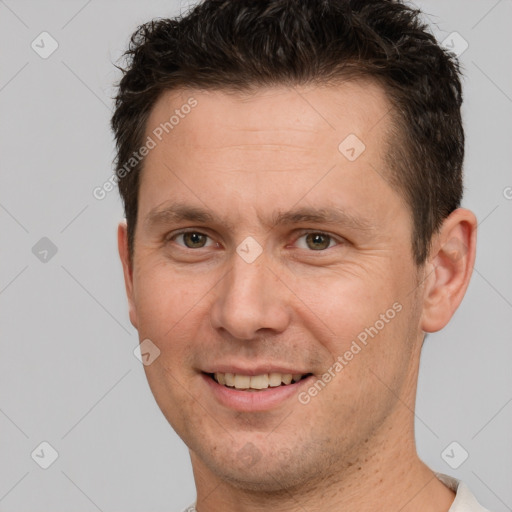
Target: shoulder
(464,501)
(190,508)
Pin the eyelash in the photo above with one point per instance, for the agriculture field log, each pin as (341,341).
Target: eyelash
(302,233)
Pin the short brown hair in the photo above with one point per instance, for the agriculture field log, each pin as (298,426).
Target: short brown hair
(245,44)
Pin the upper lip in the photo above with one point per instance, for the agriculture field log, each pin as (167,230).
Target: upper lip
(253,370)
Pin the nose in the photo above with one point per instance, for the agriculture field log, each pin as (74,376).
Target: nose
(251,298)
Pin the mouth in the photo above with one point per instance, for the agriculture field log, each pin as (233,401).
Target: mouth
(256,382)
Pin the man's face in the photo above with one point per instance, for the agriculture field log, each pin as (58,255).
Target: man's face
(242,295)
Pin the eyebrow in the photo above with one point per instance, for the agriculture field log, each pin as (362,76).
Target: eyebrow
(179,212)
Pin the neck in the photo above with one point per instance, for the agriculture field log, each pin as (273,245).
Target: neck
(389,479)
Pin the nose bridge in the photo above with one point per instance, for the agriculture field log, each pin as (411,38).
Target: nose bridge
(249,298)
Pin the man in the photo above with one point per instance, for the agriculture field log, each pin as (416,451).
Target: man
(291,175)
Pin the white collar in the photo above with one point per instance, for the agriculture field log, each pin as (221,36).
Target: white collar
(464,500)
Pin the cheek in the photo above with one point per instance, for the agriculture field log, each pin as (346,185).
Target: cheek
(370,334)
(170,309)
(165,299)
(347,304)
(167,307)
(371,359)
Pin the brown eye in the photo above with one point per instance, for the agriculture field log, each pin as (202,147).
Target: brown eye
(192,239)
(318,241)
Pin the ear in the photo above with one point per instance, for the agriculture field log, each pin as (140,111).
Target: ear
(449,269)
(122,244)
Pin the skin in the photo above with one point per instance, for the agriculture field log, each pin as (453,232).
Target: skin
(245,158)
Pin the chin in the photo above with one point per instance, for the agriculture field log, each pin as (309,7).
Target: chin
(276,471)
(271,480)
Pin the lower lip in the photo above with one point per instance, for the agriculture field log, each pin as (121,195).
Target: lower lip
(249,401)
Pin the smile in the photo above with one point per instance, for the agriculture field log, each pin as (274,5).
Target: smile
(256,382)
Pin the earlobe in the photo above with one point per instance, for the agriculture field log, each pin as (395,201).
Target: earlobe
(122,244)
(451,260)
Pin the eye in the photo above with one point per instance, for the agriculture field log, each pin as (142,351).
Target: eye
(313,240)
(191,239)
(317,241)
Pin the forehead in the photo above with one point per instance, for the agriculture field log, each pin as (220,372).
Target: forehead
(266,149)
(271,115)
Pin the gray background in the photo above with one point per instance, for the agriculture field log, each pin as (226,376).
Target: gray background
(67,369)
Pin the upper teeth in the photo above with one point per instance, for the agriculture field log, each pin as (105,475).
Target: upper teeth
(256,381)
